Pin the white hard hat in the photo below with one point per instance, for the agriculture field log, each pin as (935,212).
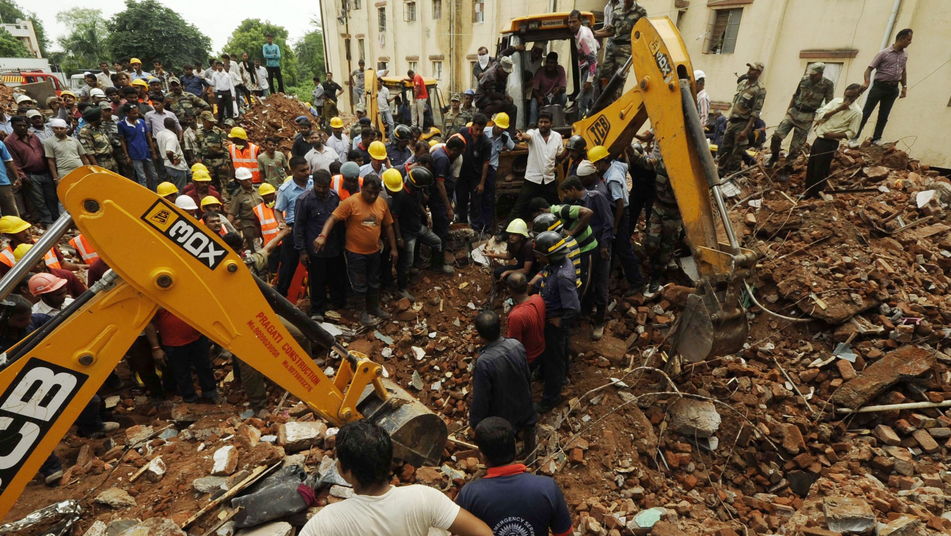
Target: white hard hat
(96,92)
(185,202)
(242,173)
(23,98)
(585,168)
(57,122)
(698,74)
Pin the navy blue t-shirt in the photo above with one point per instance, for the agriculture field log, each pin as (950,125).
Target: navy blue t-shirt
(515,503)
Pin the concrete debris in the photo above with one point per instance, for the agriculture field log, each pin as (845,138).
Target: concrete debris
(208,484)
(279,528)
(137,434)
(903,526)
(847,514)
(98,528)
(156,469)
(694,418)
(115,498)
(904,363)
(155,526)
(296,436)
(224,461)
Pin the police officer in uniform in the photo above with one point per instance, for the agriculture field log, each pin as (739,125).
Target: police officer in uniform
(813,91)
(213,148)
(184,103)
(95,138)
(618,49)
(664,223)
(747,105)
(456,117)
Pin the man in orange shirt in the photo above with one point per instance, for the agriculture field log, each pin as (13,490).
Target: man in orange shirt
(420,97)
(365,216)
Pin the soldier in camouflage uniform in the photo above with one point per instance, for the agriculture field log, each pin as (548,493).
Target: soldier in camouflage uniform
(455,118)
(213,149)
(618,49)
(95,139)
(184,103)
(664,224)
(747,105)
(814,90)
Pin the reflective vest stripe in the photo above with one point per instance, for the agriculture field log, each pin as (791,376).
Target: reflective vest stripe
(336,183)
(51,260)
(247,158)
(6,257)
(84,248)
(268,221)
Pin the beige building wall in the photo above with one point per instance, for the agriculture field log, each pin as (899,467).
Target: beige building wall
(786,35)
(24,32)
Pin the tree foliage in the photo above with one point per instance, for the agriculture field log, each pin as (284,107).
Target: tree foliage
(249,37)
(310,54)
(11,47)
(10,12)
(85,43)
(150,31)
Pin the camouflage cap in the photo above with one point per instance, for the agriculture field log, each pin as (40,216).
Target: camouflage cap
(817,67)
(207,116)
(758,65)
(455,97)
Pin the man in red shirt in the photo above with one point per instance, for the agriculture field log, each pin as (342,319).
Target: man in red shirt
(526,322)
(185,348)
(421,95)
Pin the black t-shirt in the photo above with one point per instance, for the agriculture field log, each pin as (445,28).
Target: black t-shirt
(478,150)
(407,210)
(301,145)
(330,90)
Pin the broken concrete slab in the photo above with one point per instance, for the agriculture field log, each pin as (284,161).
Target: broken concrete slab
(117,527)
(115,498)
(905,362)
(279,528)
(848,514)
(296,436)
(156,469)
(905,525)
(225,461)
(155,526)
(208,484)
(137,434)
(694,418)
(98,528)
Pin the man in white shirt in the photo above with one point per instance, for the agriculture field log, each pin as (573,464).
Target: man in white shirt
(383,104)
(104,76)
(703,99)
(221,81)
(338,139)
(260,72)
(320,156)
(544,150)
(166,141)
(364,454)
(840,119)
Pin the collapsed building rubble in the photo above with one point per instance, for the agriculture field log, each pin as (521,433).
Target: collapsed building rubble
(772,440)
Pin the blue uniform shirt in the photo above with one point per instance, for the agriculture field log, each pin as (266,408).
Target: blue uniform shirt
(287,196)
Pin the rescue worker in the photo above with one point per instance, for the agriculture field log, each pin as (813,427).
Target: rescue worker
(338,140)
(267,221)
(618,49)
(664,222)
(96,139)
(184,103)
(747,105)
(326,271)
(241,208)
(576,153)
(348,182)
(213,148)
(378,160)
(244,154)
(614,175)
(398,151)
(18,231)
(200,187)
(490,97)
(456,117)
(813,91)
(168,191)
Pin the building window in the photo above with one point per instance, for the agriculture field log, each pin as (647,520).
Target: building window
(354,4)
(478,11)
(363,49)
(381,66)
(723,30)
(832,71)
(381,24)
(409,12)
(412,66)
(437,70)
(437,9)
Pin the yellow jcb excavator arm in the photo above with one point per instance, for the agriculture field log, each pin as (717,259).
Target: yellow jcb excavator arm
(161,257)
(713,323)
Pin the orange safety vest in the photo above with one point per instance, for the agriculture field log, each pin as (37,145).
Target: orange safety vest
(268,221)
(336,183)
(7,257)
(84,248)
(221,230)
(246,158)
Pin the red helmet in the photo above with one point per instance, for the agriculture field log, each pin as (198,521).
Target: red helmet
(45,283)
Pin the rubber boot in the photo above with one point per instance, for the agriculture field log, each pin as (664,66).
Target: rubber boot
(439,263)
(373,305)
(364,316)
(774,144)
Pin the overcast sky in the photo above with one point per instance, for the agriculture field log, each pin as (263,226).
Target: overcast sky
(217,19)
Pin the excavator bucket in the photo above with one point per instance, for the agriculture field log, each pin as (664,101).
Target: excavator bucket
(417,433)
(711,324)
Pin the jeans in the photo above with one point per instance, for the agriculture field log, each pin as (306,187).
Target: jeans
(326,274)
(424,236)
(8,202)
(817,168)
(145,173)
(554,361)
(438,211)
(272,73)
(290,258)
(387,118)
(529,191)
(585,100)
(624,253)
(465,188)
(178,177)
(363,271)
(882,94)
(482,210)
(181,361)
(42,197)
(533,107)
(599,279)
(225,105)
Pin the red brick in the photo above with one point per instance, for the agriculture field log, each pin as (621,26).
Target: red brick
(846,370)
(886,435)
(925,440)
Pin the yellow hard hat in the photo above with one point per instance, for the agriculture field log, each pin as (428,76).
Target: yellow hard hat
(140,82)
(166,188)
(20,251)
(135,60)
(265,189)
(198,165)
(201,176)
(433,142)
(209,200)
(517,226)
(501,120)
(433,131)
(13,225)
(336,122)
(597,153)
(377,150)
(238,132)
(393,180)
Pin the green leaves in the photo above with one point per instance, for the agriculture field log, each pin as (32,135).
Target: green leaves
(11,47)
(150,31)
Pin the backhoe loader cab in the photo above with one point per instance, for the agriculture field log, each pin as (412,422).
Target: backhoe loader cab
(550,33)
(402,88)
